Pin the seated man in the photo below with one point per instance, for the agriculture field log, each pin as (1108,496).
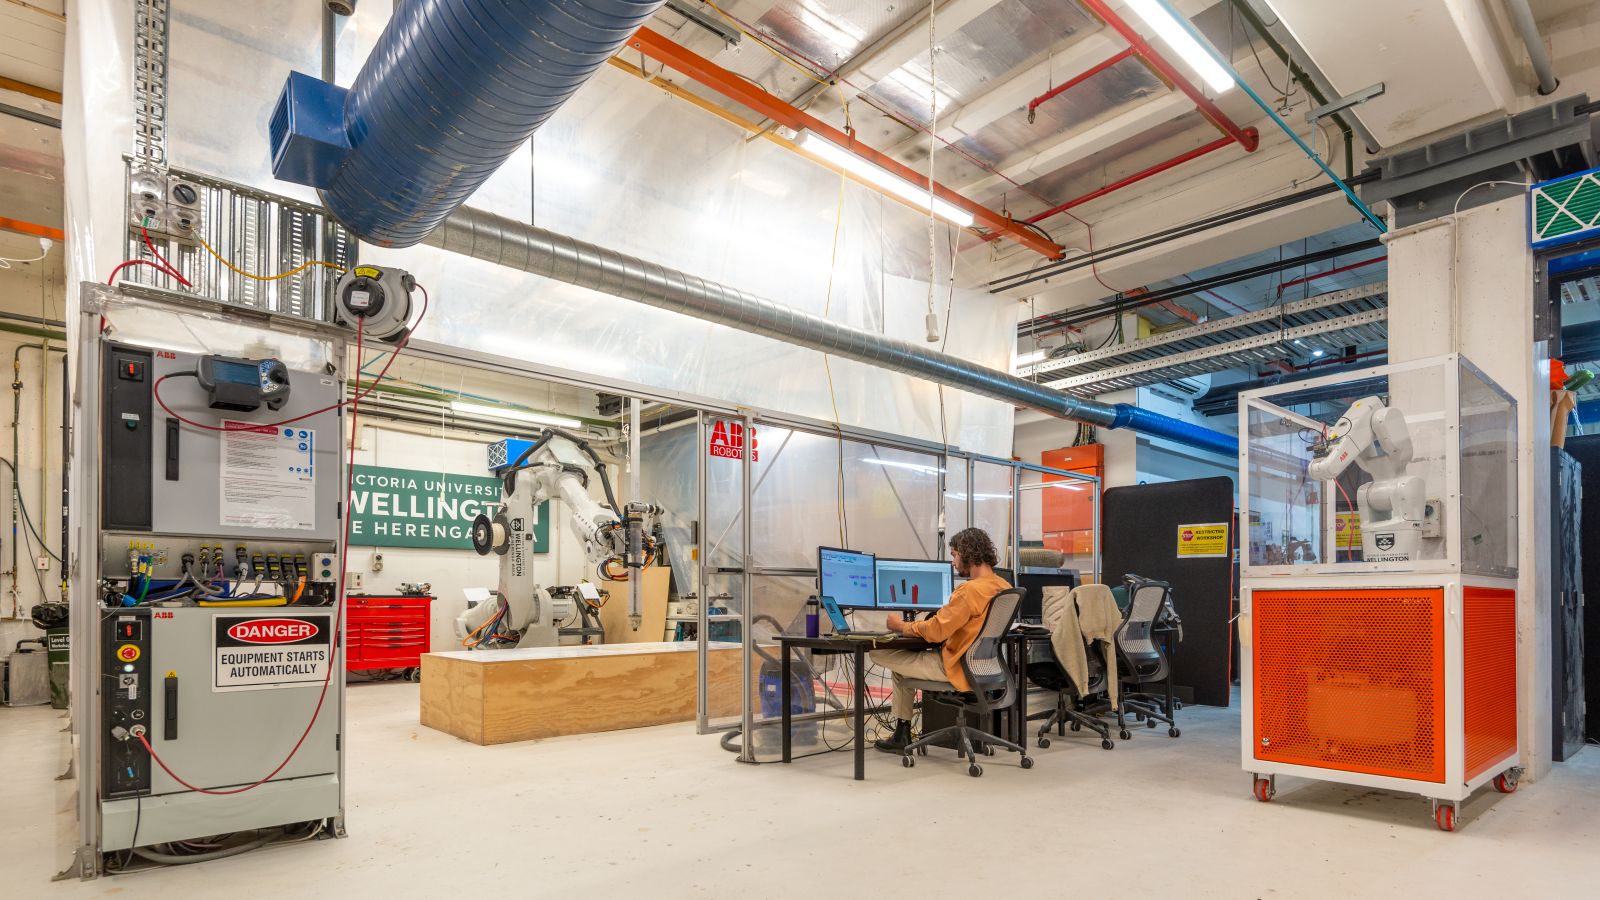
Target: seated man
(957,625)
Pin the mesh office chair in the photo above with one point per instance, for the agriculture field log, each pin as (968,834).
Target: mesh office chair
(1073,709)
(992,688)
(1144,661)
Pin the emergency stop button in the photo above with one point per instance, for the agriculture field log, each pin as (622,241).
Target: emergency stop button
(128,652)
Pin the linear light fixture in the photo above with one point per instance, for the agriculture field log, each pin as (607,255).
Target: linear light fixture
(1182,43)
(1031,357)
(855,165)
(515,415)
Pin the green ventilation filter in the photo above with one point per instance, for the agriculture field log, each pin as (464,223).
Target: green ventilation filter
(1566,209)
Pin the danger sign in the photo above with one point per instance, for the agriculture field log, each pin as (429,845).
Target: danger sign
(256,651)
(727,441)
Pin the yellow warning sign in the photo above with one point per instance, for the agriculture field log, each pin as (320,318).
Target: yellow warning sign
(1204,540)
(1347,531)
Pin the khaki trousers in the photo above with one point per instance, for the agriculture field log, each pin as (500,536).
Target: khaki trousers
(922,665)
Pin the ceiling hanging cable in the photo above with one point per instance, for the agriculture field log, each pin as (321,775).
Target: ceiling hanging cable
(933,141)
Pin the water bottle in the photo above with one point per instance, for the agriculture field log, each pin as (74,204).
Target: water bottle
(812,610)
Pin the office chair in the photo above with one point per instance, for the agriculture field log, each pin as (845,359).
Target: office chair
(1143,660)
(992,689)
(1073,707)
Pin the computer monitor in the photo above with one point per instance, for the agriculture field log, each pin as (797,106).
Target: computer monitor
(1033,580)
(847,576)
(914,584)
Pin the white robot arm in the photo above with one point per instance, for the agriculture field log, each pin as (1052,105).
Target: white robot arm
(1376,438)
(557,466)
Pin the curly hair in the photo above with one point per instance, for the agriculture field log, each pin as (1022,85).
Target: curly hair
(975,547)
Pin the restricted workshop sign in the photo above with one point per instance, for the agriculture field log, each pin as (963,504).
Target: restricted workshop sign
(258,651)
(1207,539)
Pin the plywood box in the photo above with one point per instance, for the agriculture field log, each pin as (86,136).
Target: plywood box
(499,696)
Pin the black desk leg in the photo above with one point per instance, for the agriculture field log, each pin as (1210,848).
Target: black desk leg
(1019,714)
(788,738)
(861,690)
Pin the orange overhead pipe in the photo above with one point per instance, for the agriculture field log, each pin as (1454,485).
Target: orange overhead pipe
(742,91)
(21,227)
(32,90)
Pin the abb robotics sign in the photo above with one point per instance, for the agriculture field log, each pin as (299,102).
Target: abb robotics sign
(727,441)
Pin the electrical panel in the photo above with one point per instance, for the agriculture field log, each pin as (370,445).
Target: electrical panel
(125,700)
(176,465)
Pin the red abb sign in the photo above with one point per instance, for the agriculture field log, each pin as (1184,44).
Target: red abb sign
(727,441)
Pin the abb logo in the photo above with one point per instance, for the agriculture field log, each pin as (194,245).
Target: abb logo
(166,354)
(164,615)
(272,631)
(727,441)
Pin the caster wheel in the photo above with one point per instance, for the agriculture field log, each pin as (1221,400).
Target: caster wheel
(1076,727)
(1173,731)
(1106,744)
(1149,723)
(1125,735)
(1138,717)
(907,761)
(1044,742)
(1504,784)
(988,751)
(1027,762)
(922,751)
(1264,790)
(975,770)
(1445,818)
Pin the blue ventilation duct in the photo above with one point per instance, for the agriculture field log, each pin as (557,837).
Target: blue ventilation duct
(1188,433)
(451,90)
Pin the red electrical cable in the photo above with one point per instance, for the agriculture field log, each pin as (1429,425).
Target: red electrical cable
(112,278)
(338,604)
(155,389)
(165,266)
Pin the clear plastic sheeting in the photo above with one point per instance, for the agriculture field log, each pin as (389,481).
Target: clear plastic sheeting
(631,168)
(129,321)
(993,502)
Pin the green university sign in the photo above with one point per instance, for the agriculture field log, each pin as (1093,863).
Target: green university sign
(413,508)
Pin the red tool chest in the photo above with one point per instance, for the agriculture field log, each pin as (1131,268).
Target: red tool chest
(385,631)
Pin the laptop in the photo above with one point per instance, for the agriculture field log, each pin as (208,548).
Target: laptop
(841,625)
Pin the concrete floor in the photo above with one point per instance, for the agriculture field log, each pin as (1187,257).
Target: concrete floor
(663,812)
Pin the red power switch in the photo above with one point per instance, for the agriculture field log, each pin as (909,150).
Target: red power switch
(131,370)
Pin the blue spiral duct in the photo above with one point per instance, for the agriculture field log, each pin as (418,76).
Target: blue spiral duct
(1187,433)
(451,89)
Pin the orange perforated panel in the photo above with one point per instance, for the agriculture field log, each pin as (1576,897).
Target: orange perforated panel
(1489,651)
(1351,680)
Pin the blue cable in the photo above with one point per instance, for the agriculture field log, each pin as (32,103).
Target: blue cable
(1239,80)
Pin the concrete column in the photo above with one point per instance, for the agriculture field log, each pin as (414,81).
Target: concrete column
(1466,283)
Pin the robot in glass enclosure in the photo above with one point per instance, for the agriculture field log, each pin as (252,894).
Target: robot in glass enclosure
(1392,506)
(618,540)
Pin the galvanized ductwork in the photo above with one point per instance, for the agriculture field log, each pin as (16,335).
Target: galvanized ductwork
(506,242)
(451,90)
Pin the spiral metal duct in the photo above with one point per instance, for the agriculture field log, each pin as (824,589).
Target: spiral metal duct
(451,90)
(506,242)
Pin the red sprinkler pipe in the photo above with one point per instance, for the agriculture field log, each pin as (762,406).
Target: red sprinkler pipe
(1245,137)
(1315,275)
(1076,80)
(1156,169)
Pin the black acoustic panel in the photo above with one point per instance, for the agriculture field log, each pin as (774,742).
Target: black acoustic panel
(1586,450)
(1140,529)
(1566,605)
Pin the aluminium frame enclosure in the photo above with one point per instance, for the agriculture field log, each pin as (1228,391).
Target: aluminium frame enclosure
(1318,627)
(99,305)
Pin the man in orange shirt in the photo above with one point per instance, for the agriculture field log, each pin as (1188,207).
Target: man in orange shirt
(956,625)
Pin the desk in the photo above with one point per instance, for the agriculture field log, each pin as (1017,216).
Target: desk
(832,644)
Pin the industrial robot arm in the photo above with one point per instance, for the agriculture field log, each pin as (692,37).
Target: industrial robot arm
(556,466)
(1376,438)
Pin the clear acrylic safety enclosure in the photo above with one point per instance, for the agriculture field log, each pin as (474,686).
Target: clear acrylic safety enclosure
(1427,449)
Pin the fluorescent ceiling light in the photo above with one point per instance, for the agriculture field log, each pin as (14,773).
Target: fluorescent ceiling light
(915,467)
(515,415)
(905,190)
(1031,357)
(1161,21)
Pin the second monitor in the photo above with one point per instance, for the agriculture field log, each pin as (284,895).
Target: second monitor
(913,583)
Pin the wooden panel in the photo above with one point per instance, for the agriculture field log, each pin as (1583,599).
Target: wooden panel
(452,697)
(653,607)
(525,699)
